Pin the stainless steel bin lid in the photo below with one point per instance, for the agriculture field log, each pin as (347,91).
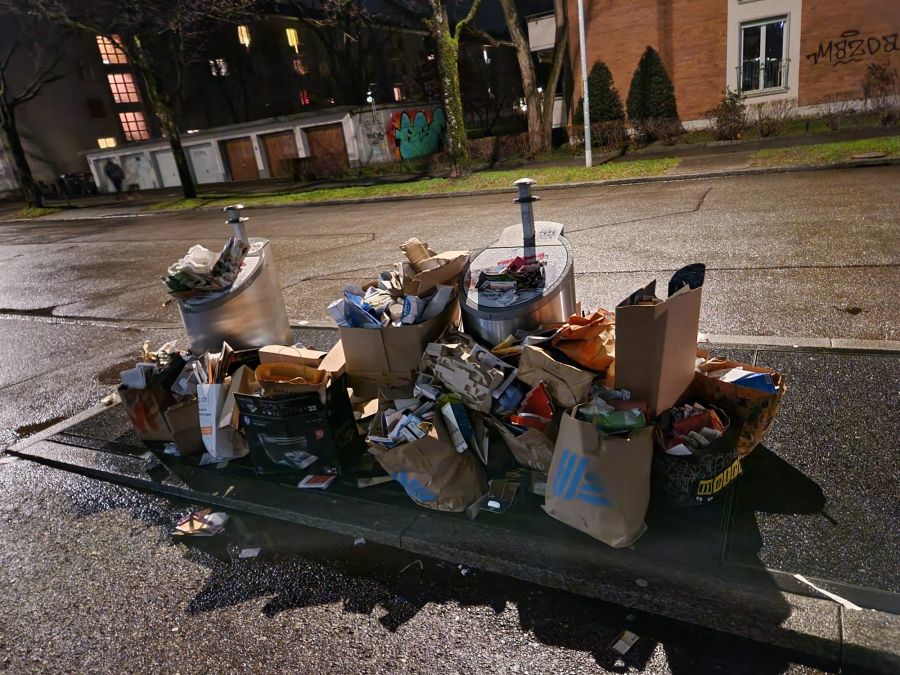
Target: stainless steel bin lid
(550,248)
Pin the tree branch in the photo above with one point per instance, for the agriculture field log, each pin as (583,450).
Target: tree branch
(473,10)
(8,57)
(487,38)
(40,79)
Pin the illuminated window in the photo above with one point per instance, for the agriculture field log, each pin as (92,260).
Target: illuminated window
(300,67)
(304,97)
(398,93)
(109,142)
(218,67)
(122,87)
(293,39)
(244,36)
(133,126)
(109,52)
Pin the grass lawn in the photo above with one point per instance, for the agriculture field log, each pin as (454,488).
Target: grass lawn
(483,180)
(826,153)
(35,212)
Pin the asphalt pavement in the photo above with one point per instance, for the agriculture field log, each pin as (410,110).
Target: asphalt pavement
(94,582)
(790,255)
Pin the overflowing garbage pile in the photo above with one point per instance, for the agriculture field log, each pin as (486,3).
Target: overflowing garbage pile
(592,413)
(202,271)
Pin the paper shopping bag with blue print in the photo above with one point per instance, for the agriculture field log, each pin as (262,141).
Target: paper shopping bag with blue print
(600,484)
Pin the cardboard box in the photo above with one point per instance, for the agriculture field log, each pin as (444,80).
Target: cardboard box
(452,265)
(183,421)
(145,408)
(567,384)
(296,355)
(301,432)
(656,348)
(378,352)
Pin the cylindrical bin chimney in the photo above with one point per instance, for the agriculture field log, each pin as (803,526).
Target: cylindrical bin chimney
(524,280)
(249,314)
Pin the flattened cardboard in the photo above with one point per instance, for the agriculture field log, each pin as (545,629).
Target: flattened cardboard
(145,408)
(422,283)
(567,384)
(184,422)
(600,484)
(656,347)
(382,351)
(297,355)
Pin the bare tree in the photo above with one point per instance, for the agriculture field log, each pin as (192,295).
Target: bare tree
(46,60)
(158,38)
(540,105)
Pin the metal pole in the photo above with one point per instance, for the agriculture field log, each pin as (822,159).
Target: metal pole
(524,201)
(588,158)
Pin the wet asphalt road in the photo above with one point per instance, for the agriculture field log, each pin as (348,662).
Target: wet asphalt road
(92,582)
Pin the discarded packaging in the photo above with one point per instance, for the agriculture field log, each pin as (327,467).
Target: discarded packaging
(202,523)
(600,484)
(656,340)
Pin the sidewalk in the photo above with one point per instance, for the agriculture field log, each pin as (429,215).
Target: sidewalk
(817,499)
(677,162)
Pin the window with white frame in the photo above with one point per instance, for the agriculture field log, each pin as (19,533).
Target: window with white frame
(764,60)
(122,87)
(134,126)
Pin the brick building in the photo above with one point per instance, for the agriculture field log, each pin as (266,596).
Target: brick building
(800,50)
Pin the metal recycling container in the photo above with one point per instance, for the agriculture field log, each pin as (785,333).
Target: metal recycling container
(491,321)
(249,314)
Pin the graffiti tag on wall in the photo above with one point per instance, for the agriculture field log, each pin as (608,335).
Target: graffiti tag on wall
(373,132)
(852,47)
(417,132)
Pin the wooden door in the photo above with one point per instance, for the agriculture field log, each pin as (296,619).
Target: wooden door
(327,149)
(281,148)
(241,159)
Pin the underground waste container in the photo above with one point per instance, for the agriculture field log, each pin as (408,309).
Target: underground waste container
(249,314)
(494,304)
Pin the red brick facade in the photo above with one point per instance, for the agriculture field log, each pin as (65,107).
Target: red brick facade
(691,38)
(839,40)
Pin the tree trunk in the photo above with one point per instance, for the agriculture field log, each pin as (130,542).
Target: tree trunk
(448,66)
(166,117)
(526,69)
(561,44)
(29,188)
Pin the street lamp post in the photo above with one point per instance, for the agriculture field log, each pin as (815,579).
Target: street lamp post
(588,158)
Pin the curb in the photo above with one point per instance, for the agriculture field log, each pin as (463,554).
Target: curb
(766,342)
(614,182)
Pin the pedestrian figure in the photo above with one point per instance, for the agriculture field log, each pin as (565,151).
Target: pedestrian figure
(114,172)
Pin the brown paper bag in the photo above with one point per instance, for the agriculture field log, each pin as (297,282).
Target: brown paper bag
(533,449)
(656,345)
(752,408)
(600,484)
(588,340)
(145,409)
(567,384)
(433,473)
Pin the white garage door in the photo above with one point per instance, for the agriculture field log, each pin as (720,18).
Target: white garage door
(167,169)
(204,164)
(138,172)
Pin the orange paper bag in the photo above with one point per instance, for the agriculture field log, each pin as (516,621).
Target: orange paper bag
(589,341)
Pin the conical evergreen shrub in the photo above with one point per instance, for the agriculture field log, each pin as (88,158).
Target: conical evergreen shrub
(651,95)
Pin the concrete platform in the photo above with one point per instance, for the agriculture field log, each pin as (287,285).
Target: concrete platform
(818,498)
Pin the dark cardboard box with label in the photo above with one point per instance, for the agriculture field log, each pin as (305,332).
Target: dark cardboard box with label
(299,433)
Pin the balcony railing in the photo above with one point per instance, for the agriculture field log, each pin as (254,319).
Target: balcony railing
(760,75)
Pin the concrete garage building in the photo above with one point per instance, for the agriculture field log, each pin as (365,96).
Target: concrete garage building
(807,51)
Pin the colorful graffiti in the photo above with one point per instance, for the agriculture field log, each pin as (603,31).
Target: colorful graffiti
(417,132)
